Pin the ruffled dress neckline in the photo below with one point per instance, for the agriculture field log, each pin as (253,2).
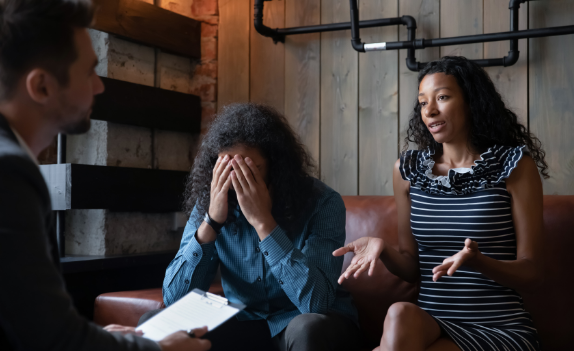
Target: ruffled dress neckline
(493,167)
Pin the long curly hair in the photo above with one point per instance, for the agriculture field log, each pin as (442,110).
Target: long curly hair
(290,167)
(491,122)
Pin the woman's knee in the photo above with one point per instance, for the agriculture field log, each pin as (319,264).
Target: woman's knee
(408,324)
(402,312)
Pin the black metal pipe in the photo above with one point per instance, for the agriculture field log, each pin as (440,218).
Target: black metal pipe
(280,33)
(339,26)
(355,37)
(481,38)
(260,27)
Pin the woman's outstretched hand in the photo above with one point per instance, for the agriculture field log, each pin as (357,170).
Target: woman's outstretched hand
(367,251)
(451,264)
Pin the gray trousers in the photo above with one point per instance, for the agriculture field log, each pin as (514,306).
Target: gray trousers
(306,332)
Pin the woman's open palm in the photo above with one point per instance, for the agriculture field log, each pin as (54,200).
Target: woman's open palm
(367,251)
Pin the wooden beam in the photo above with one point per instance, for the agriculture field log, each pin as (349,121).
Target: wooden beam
(143,106)
(339,102)
(233,52)
(303,74)
(149,24)
(267,60)
(378,103)
(114,188)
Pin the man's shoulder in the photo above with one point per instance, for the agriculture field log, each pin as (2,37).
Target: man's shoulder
(13,158)
(15,163)
(9,146)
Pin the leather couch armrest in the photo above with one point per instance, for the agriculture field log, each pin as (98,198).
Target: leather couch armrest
(126,307)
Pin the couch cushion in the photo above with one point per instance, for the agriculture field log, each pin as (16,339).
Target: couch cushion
(374,216)
(551,306)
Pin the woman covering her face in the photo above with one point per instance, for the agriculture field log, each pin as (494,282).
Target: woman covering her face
(469,204)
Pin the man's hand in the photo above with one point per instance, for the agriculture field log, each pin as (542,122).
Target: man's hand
(367,251)
(252,195)
(451,264)
(220,184)
(116,328)
(182,341)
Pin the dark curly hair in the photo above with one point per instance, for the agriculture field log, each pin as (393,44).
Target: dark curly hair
(290,167)
(491,123)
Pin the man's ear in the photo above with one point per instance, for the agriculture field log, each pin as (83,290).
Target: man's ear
(41,85)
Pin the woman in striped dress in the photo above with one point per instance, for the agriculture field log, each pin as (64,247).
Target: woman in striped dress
(469,204)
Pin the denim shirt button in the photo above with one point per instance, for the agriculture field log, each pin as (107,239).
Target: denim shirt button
(258,279)
(257,249)
(187,281)
(266,253)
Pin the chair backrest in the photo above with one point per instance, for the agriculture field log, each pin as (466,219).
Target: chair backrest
(550,306)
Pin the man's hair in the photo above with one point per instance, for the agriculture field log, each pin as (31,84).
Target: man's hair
(39,33)
(290,167)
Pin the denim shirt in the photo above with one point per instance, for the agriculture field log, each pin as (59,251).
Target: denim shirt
(277,278)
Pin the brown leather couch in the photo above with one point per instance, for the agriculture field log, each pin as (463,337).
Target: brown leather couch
(551,308)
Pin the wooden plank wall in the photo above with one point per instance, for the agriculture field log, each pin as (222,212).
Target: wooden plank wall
(352,110)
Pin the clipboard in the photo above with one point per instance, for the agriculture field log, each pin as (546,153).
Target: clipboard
(194,310)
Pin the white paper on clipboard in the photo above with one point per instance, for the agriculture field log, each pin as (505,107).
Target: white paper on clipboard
(194,310)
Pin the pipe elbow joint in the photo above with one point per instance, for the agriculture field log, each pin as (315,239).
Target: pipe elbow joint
(357,45)
(412,64)
(512,58)
(515,4)
(409,21)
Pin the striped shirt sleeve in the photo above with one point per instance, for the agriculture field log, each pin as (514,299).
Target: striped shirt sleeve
(311,273)
(194,265)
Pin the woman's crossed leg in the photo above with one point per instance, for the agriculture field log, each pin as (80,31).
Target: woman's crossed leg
(409,327)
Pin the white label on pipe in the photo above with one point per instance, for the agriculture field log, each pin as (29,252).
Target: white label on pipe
(376,46)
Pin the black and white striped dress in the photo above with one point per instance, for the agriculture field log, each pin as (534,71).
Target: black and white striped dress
(476,312)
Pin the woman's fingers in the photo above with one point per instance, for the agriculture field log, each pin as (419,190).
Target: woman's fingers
(240,176)
(225,187)
(220,168)
(470,245)
(346,274)
(372,268)
(341,251)
(445,266)
(248,176)
(236,184)
(453,268)
(255,170)
(351,269)
(438,275)
(350,247)
(362,268)
(224,176)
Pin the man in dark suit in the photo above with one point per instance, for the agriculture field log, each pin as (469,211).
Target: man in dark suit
(47,86)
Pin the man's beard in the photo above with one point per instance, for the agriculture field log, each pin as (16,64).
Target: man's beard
(79,127)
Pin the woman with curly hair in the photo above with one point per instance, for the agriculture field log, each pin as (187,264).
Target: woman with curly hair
(258,214)
(469,204)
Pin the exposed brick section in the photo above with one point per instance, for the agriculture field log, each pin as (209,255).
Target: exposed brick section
(204,80)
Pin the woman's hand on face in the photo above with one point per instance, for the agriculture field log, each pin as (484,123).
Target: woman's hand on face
(220,183)
(451,264)
(252,195)
(367,251)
